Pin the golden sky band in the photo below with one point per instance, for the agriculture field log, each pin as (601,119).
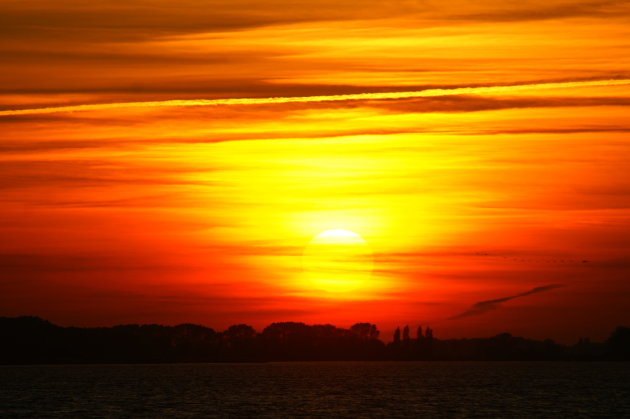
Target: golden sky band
(479,90)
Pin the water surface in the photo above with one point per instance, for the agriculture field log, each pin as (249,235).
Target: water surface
(324,389)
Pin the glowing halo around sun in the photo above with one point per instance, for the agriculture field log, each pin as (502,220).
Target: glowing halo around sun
(337,262)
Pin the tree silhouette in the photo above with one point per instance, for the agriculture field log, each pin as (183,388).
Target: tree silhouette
(397,336)
(619,344)
(429,333)
(374,332)
(405,335)
(33,340)
(240,332)
(365,330)
(419,334)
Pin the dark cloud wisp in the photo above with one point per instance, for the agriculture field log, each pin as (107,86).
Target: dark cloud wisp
(489,305)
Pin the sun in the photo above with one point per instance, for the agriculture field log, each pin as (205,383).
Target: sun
(337,262)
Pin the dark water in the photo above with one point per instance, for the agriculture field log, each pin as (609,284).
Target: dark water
(329,389)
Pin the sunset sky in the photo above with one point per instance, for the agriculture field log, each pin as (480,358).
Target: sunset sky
(185,162)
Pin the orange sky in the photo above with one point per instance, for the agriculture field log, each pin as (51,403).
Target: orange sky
(506,172)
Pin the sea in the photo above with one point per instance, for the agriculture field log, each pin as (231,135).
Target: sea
(318,390)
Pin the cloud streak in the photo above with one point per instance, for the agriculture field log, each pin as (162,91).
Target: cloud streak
(483,307)
(479,90)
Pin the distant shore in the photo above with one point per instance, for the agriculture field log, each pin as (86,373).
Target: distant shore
(32,340)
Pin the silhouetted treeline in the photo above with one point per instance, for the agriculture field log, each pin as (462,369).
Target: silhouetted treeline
(33,340)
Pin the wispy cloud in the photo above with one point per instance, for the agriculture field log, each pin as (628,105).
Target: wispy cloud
(479,90)
(489,305)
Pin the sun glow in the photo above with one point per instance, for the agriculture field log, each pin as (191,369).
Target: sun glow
(337,262)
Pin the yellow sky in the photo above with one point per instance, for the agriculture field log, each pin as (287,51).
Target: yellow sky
(479,149)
